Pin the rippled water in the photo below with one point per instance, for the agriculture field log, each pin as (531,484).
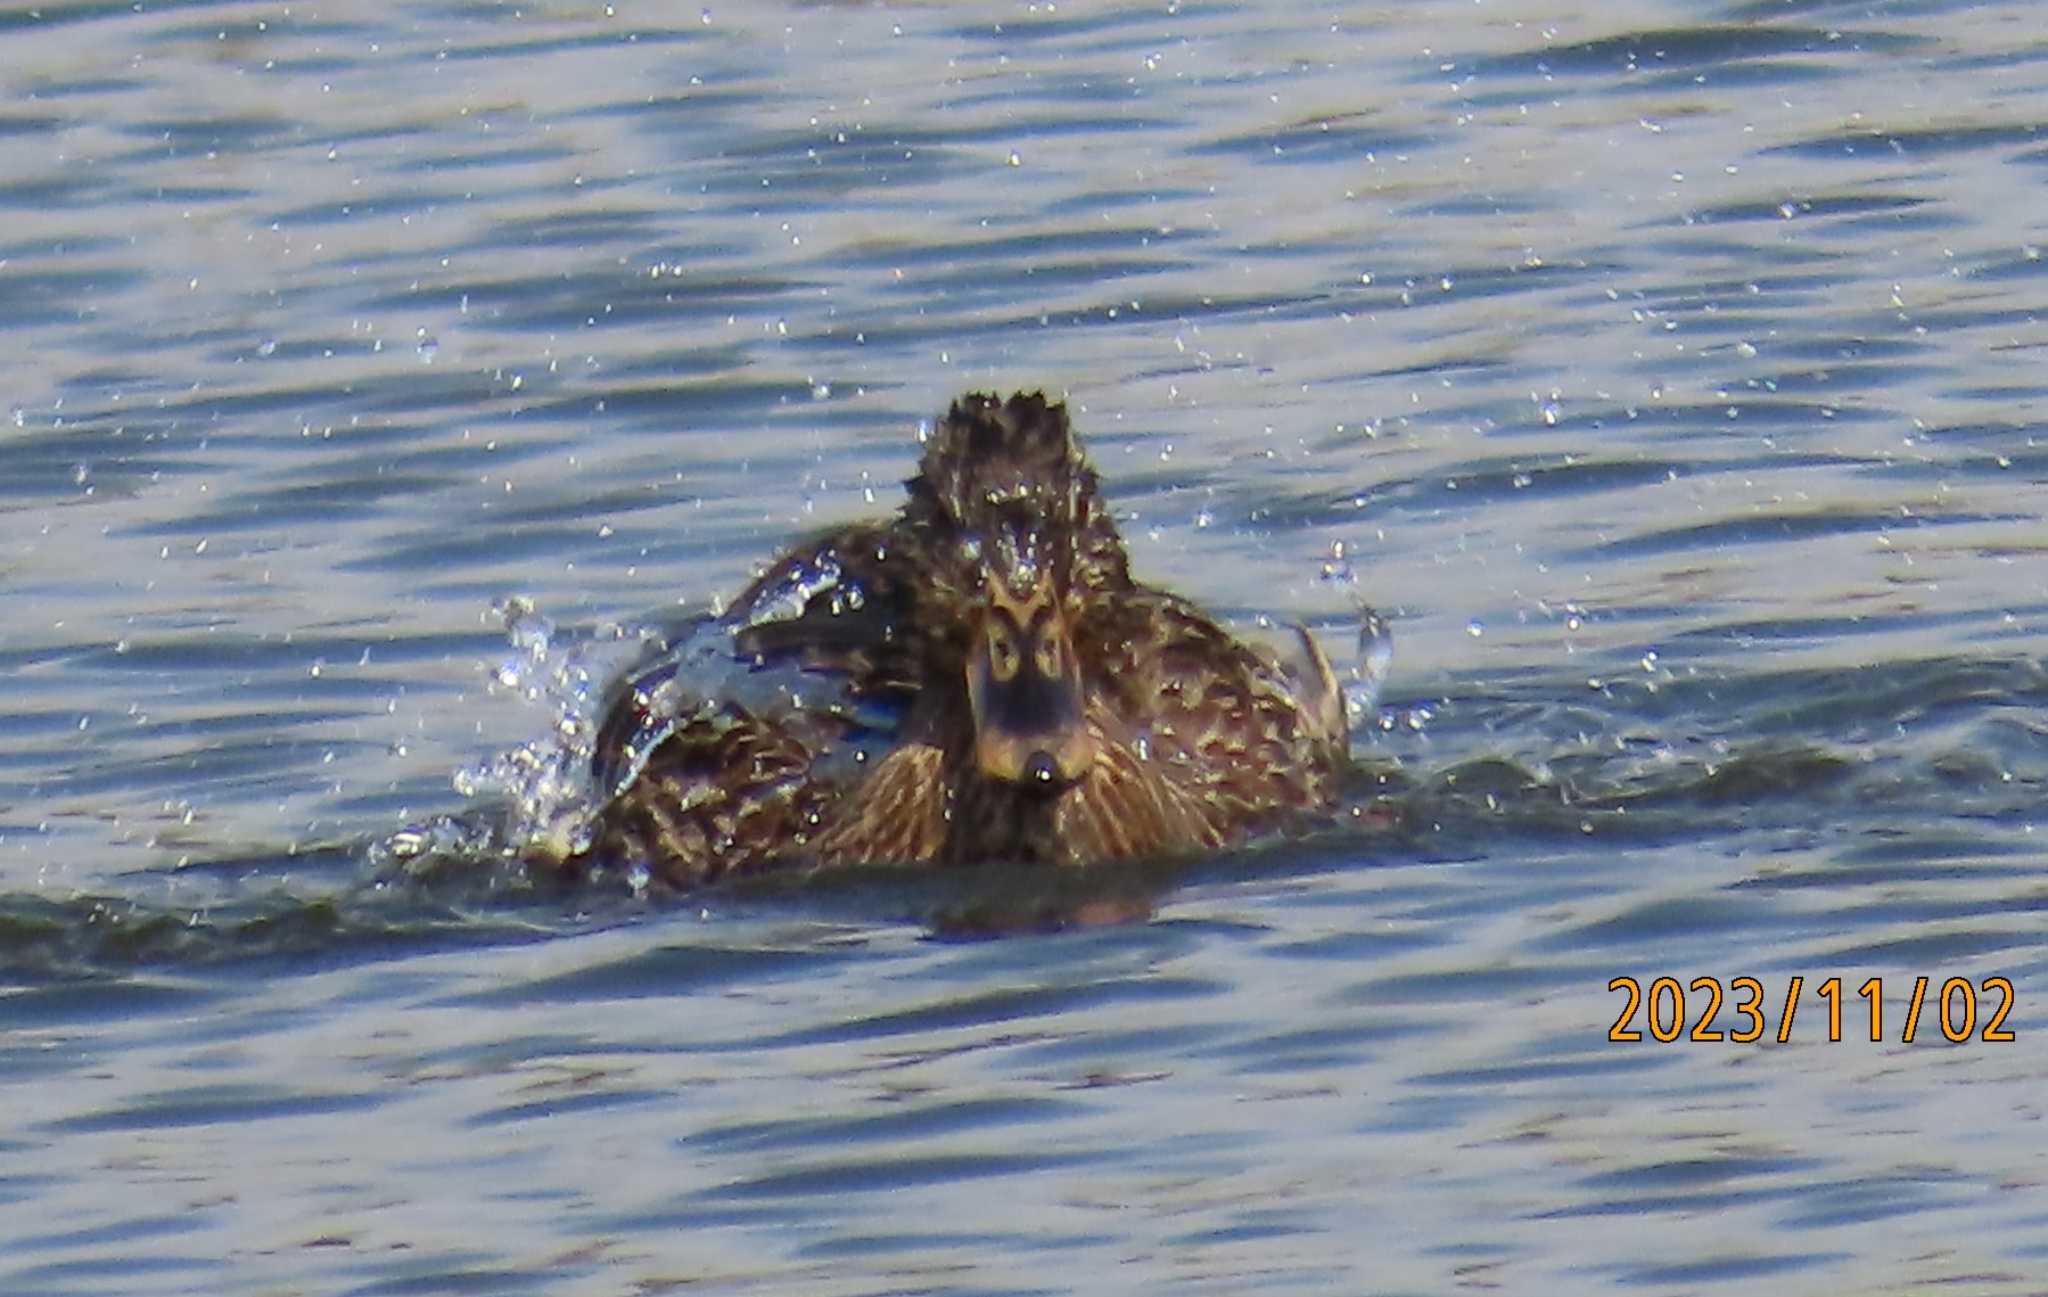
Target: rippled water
(1670,374)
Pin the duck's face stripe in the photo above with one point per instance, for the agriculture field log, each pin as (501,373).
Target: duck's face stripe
(1024,685)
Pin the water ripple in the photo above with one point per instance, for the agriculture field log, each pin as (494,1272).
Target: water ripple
(1667,378)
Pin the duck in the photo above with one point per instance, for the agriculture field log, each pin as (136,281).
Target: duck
(978,678)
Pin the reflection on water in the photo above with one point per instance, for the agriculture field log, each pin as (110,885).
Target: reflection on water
(1665,374)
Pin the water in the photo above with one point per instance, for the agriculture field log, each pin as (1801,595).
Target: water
(1667,374)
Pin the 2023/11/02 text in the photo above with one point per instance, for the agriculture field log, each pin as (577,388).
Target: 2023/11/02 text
(1957,1005)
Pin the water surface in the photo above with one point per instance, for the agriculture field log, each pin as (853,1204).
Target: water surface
(1669,374)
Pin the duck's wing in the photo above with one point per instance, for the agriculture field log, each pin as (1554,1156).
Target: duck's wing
(707,769)
(642,708)
(1131,805)
(817,632)
(899,814)
(1329,704)
(1224,722)
(1308,675)
(841,602)
(723,791)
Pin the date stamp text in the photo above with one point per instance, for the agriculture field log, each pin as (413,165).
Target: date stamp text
(1961,1009)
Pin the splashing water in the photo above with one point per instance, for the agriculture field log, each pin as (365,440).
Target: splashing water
(1368,670)
(796,592)
(543,796)
(541,800)
(545,782)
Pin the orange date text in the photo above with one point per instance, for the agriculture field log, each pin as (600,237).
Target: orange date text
(1960,1009)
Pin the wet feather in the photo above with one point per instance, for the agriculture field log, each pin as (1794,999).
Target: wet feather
(1047,707)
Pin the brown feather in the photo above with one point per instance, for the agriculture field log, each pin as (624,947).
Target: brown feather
(1198,738)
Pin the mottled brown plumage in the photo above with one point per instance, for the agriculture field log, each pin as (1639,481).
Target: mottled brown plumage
(1039,704)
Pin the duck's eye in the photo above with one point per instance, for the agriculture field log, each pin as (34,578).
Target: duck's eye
(1049,655)
(1003,658)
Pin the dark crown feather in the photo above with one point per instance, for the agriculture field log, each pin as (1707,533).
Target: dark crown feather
(987,448)
(1014,465)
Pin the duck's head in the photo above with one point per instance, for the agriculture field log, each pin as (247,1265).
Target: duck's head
(1023,555)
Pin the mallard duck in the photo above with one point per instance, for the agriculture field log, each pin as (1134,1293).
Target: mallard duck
(985,682)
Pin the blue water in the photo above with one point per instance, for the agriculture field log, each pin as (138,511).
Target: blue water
(1668,374)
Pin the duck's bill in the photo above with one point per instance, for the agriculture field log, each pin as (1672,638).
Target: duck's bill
(1051,759)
